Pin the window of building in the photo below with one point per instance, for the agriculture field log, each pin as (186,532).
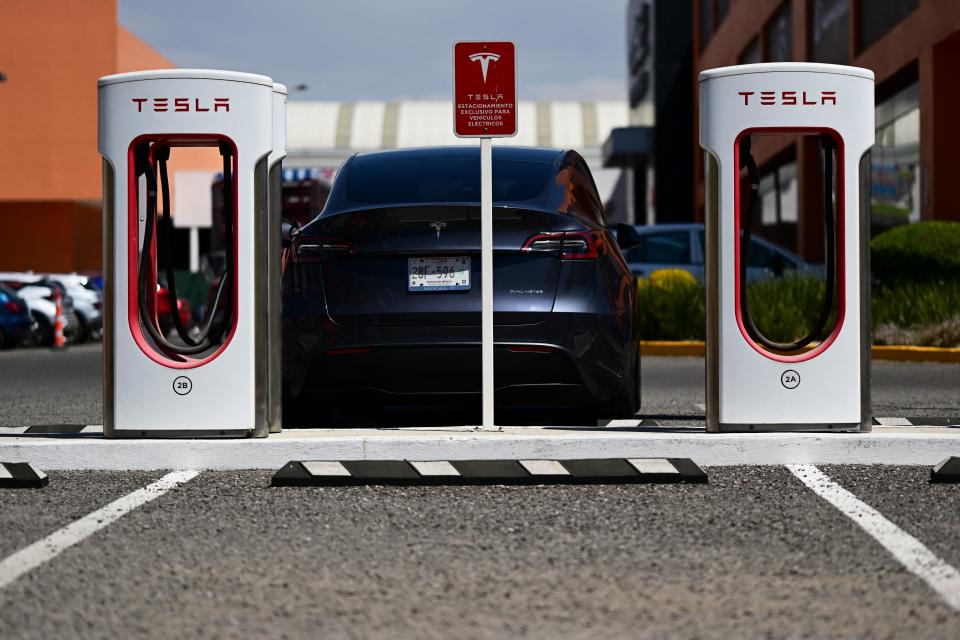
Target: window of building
(895,161)
(723,8)
(706,22)
(779,205)
(829,31)
(751,55)
(779,35)
(877,18)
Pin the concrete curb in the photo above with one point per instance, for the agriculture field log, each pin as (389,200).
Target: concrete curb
(885,445)
(902,353)
(672,348)
(905,353)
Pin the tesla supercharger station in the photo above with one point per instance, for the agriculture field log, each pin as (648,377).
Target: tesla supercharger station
(820,381)
(158,380)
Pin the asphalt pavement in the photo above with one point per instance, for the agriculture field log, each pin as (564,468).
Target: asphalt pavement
(752,554)
(40,387)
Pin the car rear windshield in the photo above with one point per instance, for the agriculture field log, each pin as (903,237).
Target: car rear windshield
(438,179)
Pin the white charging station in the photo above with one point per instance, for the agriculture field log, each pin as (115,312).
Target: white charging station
(215,382)
(822,381)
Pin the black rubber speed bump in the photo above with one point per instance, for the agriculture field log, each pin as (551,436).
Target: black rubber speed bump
(946,471)
(477,472)
(21,475)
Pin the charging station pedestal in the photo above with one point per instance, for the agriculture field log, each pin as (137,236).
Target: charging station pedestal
(215,381)
(819,382)
(274,220)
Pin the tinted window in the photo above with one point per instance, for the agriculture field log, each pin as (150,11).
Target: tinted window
(455,179)
(877,18)
(780,35)
(585,198)
(829,33)
(662,248)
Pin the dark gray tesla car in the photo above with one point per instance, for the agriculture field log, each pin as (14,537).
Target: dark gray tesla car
(381,294)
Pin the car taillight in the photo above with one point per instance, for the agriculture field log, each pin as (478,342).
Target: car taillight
(13,307)
(572,245)
(310,249)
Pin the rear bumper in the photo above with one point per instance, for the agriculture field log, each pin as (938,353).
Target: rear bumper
(571,358)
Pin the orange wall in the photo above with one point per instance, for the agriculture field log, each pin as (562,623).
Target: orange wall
(52,52)
(50,236)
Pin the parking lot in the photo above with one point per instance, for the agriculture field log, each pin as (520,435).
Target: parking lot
(754,553)
(39,388)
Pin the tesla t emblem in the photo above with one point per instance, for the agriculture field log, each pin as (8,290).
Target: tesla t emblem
(438,227)
(484,60)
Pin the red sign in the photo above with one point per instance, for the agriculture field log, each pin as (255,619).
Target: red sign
(484,89)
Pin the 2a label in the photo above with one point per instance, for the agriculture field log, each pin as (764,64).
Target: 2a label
(790,379)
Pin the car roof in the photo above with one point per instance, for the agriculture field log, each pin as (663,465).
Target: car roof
(339,203)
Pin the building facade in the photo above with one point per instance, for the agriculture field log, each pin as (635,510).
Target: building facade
(912,46)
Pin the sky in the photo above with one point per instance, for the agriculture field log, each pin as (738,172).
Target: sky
(391,49)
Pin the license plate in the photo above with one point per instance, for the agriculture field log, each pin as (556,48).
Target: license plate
(439,274)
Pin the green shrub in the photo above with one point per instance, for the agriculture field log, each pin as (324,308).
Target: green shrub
(918,252)
(907,303)
(671,307)
(785,309)
(671,304)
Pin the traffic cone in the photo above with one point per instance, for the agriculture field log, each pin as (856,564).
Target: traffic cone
(58,340)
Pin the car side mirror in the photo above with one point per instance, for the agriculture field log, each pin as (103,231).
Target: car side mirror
(287,231)
(627,236)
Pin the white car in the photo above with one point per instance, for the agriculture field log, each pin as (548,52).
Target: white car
(37,291)
(87,304)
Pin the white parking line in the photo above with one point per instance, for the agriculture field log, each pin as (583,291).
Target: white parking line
(31,557)
(910,552)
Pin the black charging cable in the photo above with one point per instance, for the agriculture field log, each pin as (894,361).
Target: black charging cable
(827,146)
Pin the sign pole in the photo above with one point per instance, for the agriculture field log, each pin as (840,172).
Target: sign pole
(486,276)
(485,107)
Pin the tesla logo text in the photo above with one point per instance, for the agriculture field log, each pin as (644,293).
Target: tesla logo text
(484,60)
(161,105)
(788,98)
(438,227)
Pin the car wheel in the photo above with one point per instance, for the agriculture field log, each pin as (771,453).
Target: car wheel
(82,333)
(43,334)
(3,339)
(626,402)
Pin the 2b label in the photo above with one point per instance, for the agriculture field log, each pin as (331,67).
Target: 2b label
(182,386)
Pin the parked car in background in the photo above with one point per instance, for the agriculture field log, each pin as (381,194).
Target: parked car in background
(163,311)
(381,298)
(40,294)
(682,246)
(87,304)
(16,322)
